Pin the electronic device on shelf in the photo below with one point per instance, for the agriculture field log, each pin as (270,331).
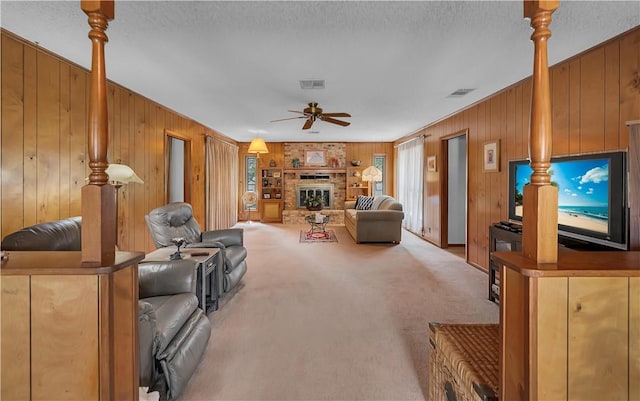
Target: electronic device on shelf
(592,196)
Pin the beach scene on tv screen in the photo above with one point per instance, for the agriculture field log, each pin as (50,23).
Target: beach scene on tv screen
(583,192)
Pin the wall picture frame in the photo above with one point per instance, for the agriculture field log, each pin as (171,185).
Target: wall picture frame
(314,158)
(432,166)
(491,156)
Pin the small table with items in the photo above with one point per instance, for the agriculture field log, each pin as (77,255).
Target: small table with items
(318,223)
(205,260)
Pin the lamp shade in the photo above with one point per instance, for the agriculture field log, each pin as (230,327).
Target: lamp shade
(122,174)
(371,173)
(258,146)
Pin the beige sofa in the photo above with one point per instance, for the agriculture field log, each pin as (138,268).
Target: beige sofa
(383,224)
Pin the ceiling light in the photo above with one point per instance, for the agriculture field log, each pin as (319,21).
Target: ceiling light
(312,83)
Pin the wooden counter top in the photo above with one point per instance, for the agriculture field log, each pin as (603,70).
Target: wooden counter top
(60,262)
(575,264)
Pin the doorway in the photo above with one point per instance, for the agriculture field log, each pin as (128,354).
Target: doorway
(178,167)
(454,216)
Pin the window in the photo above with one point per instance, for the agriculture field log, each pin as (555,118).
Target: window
(250,164)
(380,162)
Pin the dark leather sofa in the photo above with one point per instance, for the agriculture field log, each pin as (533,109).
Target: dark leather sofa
(173,332)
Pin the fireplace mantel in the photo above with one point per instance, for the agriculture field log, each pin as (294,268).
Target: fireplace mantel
(318,170)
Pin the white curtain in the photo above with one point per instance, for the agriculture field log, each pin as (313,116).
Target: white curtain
(409,179)
(221,184)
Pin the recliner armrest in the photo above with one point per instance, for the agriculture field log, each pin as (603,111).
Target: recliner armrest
(229,236)
(146,342)
(166,278)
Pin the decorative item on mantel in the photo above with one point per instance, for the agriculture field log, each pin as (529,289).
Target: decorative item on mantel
(335,162)
(355,163)
(314,202)
(295,162)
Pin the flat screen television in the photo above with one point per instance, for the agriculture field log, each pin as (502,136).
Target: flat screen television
(592,196)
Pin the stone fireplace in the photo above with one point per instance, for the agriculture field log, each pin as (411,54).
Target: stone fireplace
(328,181)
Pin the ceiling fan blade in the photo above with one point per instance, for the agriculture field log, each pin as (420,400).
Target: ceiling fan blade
(336,114)
(290,118)
(334,121)
(296,111)
(308,123)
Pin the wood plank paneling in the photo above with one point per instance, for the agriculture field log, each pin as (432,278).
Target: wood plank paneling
(592,101)
(29,149)
(560,109)
(12,136)
(78,138)
(611,96)
(552,382)
(64,331)
(65,141)
(15,333)
(629,101)
(574,106)
(48,138)
(598,329)
(634,338)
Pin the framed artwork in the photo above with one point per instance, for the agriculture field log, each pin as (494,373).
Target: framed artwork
(491,156)
(431,163)
(276,174)
(314,158)
(266,196)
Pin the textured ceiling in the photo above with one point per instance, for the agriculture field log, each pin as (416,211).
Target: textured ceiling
(234,66)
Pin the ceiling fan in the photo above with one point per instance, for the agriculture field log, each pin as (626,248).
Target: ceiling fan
(314,112)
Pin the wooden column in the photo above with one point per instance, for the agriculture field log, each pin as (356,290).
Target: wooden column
(540,215)
(98,198)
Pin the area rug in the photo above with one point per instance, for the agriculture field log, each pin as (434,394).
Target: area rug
(327,236)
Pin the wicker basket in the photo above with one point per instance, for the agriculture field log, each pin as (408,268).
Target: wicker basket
(463,362)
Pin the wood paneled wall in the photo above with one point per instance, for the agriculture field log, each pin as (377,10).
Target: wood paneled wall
(44,152)
(363,151)
(593,95)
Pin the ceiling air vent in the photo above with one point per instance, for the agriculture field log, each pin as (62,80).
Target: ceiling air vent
(312,83)
(460,92)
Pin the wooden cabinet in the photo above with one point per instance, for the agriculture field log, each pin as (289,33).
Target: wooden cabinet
(355,185)
(570,330)
(271,193)
(68,331)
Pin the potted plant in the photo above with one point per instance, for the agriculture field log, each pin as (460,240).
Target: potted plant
(314,202)
(295,162)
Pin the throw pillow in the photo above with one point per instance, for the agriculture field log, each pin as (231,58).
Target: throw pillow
(364,202)
(377,201)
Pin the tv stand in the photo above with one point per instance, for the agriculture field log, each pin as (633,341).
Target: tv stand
(507,237)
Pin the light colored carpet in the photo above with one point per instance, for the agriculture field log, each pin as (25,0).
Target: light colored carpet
(335,321)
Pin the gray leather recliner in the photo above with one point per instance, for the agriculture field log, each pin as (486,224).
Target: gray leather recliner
(176,220)
(172,331)
(171,326)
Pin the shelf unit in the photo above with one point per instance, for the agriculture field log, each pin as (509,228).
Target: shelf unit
(354,176)
(271,194)
(500,240)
